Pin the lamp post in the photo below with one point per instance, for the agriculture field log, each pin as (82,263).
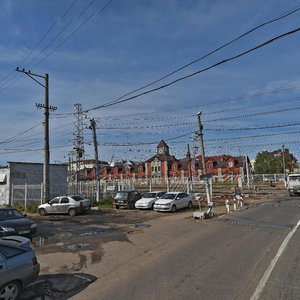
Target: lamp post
(47,108)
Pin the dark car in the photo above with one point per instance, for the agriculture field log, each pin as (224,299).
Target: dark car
(18,266)
(126,199)
(13,222)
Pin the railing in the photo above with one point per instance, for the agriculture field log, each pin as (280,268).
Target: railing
(32,194)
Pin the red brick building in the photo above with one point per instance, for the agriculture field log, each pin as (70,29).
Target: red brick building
(163,165)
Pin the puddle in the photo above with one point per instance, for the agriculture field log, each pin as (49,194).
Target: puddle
(142,225)
(92,233)
(73,247)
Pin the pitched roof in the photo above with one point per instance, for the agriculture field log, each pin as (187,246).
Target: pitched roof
(162,143)
(162,157)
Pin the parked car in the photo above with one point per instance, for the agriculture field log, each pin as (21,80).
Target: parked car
(148,200)
(173,201)
(126,199)
(18,266)
(72,205)
(13,222)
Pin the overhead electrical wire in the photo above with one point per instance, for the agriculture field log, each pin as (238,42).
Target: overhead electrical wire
(119,99)
(61,31)
(36,45)
(282,16)
(176,117)
(75,31)
(272,40)
(286,124)
(204,122)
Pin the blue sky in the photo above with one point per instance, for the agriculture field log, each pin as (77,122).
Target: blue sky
(95,55)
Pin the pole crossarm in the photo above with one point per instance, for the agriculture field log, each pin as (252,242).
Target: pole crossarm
(32,75)
(47,108)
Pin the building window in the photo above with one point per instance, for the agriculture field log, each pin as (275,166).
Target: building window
(230,164)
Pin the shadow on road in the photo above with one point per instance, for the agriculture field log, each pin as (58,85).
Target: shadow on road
(57,286)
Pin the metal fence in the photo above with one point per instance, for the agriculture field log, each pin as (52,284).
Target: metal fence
(26,195)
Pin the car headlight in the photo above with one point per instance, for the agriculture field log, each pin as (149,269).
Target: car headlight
(7,229)
(33,226)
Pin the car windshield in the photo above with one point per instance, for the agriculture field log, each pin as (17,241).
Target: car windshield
(150,195)
(77,198)
(121,195)
(8,214)
(294,178)
(168,196)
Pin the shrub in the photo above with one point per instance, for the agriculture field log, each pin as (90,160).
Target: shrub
(31,208)
(106,203)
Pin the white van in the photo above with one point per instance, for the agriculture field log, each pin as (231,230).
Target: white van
(293,184)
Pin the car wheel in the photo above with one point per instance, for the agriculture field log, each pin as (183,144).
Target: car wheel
(72,212)
(173,208)
(152,206)
(190,205)
(42,212)
(11,290)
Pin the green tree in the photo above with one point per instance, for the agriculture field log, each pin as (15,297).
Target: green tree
(268,164)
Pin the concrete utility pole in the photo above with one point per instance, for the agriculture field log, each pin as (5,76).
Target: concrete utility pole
(283,163)
(47,109)
(93,128)
(203,157)
(247,171)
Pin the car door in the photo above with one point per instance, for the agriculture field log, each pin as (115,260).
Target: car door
(177,201)
(64,205)
(185,199)
(54,205)
(2,269)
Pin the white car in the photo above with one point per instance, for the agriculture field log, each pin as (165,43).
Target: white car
(148,200)
(172,201)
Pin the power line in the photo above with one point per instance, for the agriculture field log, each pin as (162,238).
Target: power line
(35,47)
(56,37)
(284,15)
(114,102)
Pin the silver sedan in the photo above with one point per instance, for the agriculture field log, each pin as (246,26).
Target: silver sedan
(71,205)
(18,266)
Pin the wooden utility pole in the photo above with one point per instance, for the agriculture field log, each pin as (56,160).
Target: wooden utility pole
(47,108)
(93,128)
(206,179)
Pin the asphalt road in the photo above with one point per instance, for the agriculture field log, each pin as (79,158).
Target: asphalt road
(177,257)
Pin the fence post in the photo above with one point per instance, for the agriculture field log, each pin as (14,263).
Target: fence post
(25,191)
(41,193)
(12,194)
